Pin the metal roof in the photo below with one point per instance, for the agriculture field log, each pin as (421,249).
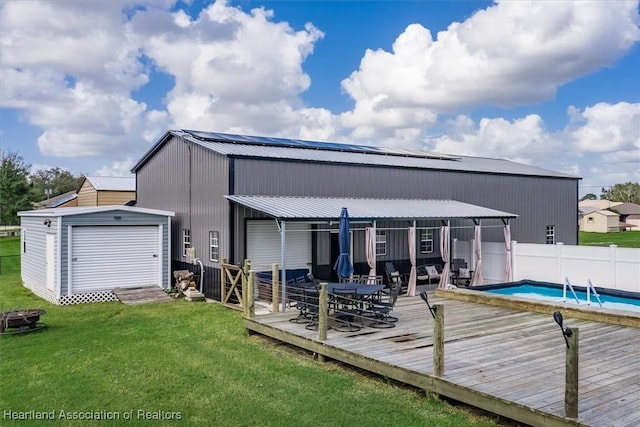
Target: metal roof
(112,183)
(93,209)
(250,147)
(328,208)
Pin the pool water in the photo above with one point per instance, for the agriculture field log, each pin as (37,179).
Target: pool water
(554,294)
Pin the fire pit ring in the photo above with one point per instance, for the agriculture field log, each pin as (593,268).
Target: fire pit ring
(21,321)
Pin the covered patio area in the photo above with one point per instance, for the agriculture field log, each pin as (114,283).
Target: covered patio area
(407,233)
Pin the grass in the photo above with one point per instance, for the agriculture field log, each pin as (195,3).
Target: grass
(625,239)
(9,255)
(193,359)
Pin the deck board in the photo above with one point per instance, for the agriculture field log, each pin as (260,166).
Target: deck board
(503,360)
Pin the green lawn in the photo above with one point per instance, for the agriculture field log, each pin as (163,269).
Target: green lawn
(626,239)
(9,255)
(194,359)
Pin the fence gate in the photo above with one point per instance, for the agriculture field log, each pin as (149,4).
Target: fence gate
(233,283)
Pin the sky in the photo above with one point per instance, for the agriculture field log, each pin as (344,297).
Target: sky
(91,86)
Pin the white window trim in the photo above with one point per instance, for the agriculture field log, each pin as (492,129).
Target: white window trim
(186,242)
(550,234)
(429,238)
(212,246)
(381,242)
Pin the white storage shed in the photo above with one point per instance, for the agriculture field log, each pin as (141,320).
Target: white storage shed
(79,255)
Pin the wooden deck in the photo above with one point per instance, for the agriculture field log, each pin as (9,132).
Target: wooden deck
(144,295)
(502,360)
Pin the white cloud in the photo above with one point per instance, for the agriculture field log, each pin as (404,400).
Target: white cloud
(608,127)
(512,53)
(117,168)
(601,143)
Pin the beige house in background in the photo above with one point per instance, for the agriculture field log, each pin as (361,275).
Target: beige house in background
(600,204)
(596,220)
(106,190)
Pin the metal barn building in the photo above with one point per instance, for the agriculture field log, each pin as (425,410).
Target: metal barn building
(79,255)
(206,179)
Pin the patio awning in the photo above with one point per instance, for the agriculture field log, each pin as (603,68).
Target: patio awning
(328,208)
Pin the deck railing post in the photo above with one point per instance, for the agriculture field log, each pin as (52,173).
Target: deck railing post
(249,300)
(223,279)
(571,375)
(275,288)
(323,312)
(438,341)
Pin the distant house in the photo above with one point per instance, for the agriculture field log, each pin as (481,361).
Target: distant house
(64,200)
(629,216)
(600,204)
(596,220)
(106,190)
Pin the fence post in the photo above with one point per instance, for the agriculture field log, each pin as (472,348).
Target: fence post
(560,262)
(613,254)
(571,376)
(250,308)
(438,341)
(275,288)
(322,312)
(223,279)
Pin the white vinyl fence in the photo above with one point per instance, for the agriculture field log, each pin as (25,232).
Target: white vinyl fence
(608,267)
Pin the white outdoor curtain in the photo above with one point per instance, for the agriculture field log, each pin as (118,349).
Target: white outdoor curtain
(411,289)
(444,253)
(370,250)
(477,278)
(507,241)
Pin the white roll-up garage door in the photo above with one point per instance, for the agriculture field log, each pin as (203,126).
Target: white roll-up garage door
(108,257)
(263,244)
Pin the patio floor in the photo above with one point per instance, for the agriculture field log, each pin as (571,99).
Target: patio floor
(502,360)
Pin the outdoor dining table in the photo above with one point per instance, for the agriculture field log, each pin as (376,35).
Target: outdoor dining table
(361,289)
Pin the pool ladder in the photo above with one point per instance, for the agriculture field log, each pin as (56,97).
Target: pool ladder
(590,290)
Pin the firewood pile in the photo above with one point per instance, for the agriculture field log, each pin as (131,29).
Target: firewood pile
(184,281)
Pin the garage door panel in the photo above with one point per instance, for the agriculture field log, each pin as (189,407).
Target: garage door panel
(106,257)
(263,244)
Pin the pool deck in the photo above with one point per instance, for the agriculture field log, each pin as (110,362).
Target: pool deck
(503,360)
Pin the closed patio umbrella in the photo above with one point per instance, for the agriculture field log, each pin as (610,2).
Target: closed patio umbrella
(343,265)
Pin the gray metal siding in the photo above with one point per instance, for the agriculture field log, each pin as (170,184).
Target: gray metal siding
(33,261)
(107,218)
(539,201)
(191,181)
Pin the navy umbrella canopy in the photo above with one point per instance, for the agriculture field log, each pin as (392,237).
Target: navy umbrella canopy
(343,265)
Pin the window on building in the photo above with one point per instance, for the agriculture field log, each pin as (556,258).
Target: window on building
(426,241)
(186,242)
(381,242)
(590,219)
(551,235)
(214,246)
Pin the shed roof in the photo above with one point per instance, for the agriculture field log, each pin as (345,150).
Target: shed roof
(279,148)
(112,183)
(627,209)
(328,208)
(92,209)
(58,200)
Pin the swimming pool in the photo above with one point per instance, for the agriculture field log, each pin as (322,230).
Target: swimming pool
(611,299)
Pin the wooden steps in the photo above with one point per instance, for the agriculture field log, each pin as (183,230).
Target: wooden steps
(131,296)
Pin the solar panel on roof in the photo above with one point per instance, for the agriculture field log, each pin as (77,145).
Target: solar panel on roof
(299,143)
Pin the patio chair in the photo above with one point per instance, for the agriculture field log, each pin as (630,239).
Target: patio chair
(394,275)
(312,303)
(370,280)
(428,273)
(296,298)
(460,272)
(381,309)
(346,310)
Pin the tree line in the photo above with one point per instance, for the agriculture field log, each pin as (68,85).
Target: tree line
(628,192)
(20,188)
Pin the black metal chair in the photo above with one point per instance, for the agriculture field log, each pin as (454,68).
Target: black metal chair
(382,308)
(346,309)
(296,297)
(312,304)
